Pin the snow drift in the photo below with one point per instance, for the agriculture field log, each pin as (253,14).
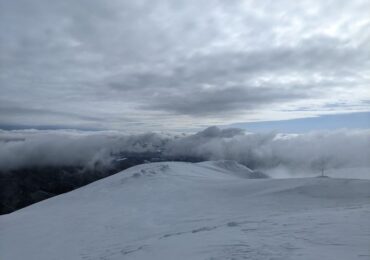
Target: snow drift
(209,210)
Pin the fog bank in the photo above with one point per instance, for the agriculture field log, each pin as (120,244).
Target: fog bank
(275,153)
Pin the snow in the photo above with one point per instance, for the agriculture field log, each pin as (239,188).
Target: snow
(350,173)
(210,210)
(234,168)
(121,159)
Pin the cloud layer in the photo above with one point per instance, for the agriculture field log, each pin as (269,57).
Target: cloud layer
(145,65)
(296,154)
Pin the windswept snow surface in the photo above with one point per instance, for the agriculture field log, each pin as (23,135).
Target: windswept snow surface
(210,210)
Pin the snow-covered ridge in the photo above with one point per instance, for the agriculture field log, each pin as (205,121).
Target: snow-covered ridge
(234,168)
(210,169)
(209,210)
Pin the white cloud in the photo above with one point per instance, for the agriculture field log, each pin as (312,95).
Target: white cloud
(272,152)
(130,64)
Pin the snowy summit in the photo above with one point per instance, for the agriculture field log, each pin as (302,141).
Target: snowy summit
(208,210)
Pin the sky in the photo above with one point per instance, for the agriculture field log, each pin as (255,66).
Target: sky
(177,65)
(360,120)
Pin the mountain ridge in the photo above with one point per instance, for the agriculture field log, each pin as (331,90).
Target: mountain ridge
(170,210)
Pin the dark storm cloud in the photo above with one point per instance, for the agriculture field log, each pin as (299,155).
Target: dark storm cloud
(119,63)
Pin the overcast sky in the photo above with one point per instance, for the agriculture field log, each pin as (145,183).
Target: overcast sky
(167,65)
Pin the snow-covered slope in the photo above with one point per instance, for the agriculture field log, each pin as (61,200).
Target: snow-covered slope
(208,210)
(234,168)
